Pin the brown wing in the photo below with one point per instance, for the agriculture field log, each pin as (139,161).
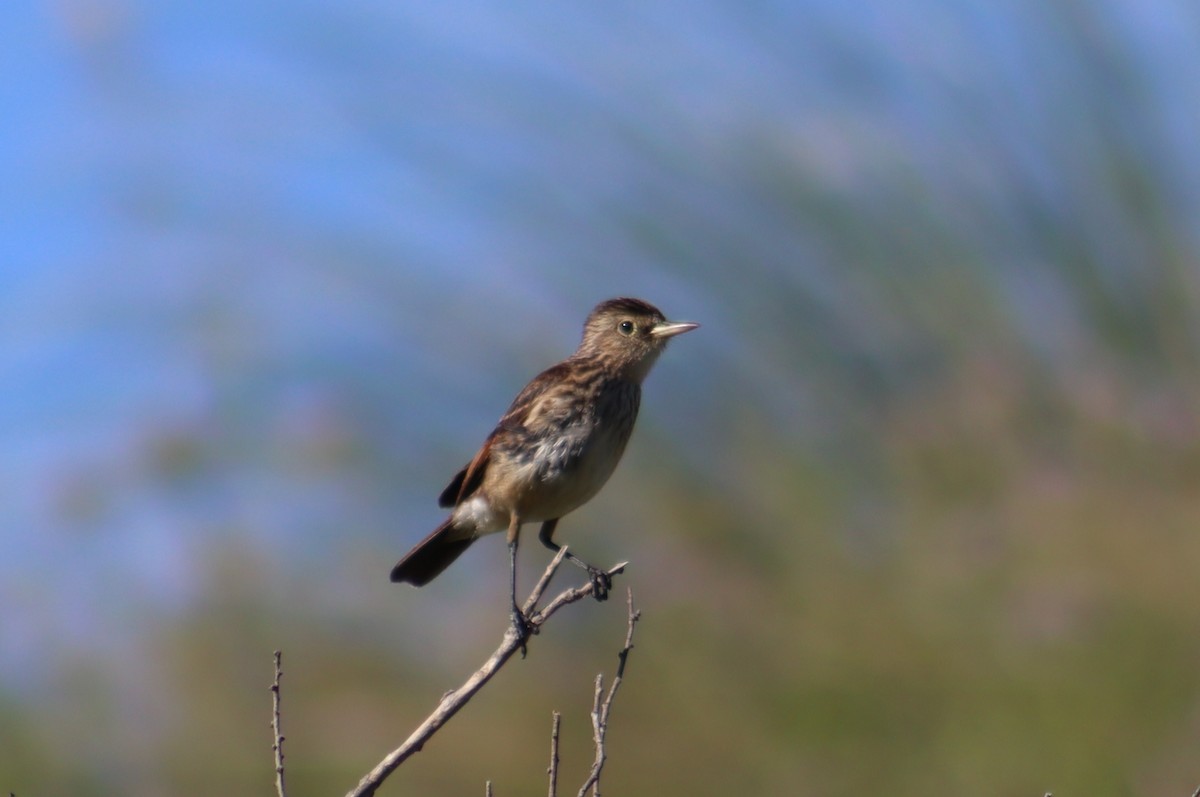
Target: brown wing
(449,496)
(467,480)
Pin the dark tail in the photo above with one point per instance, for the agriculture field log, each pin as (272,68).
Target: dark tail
(432,555)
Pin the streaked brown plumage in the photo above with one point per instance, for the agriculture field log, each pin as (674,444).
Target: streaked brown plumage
(555,447)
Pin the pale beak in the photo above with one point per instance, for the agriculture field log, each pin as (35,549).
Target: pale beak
(669,329)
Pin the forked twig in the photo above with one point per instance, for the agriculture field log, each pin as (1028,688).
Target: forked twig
(602,704)
(455,699)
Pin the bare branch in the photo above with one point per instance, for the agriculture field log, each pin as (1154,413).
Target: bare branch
(277,746)
(487,789)
(602,704)
(455,699)
(593,780)
(544,581)
(553,770)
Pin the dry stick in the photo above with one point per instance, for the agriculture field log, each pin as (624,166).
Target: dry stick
(553,770)
(277,747)
(602,706)
(455,699)
(487,789)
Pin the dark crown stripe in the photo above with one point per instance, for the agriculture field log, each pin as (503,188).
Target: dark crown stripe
(626,304)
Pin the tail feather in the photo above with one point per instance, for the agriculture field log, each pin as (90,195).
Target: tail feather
(432,555)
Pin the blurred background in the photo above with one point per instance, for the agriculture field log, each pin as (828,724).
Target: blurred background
(916,511)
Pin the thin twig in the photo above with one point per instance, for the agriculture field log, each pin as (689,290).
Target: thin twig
(487,789)
(602,705)
(455,699)
(553,770)
(544,581)
(598,730)
(277,746)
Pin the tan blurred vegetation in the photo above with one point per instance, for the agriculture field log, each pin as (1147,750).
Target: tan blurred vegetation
(1018,615)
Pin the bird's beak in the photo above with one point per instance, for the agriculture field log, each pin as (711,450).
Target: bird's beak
(669,329)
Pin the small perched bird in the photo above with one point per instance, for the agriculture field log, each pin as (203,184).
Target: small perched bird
(554,448)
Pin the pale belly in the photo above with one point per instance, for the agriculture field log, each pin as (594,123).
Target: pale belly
(558,478)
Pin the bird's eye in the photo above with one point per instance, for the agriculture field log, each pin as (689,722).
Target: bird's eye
(626,327)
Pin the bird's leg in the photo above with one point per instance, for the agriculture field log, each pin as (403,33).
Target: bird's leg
(520,622)
(601,580)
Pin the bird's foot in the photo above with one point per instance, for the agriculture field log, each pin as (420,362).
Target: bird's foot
(523,627)
(601,583)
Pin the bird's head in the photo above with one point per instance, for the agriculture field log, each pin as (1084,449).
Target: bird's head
(629,334)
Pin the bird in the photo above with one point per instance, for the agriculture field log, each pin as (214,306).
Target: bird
(553,449)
